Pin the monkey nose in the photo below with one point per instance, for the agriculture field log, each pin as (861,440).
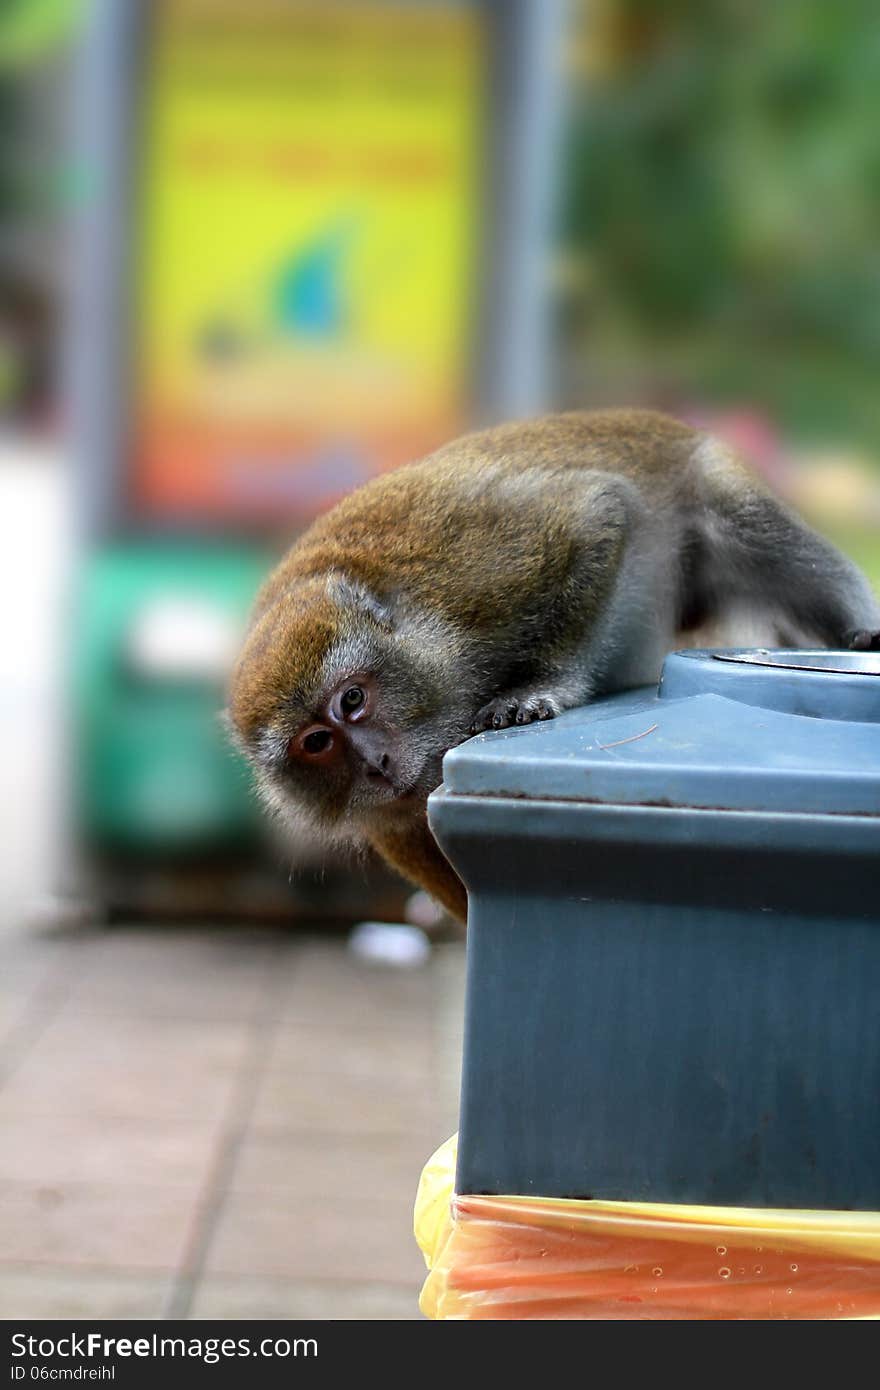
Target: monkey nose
(380,766)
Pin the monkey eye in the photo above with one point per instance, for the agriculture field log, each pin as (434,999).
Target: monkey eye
(352,699)
(316,743)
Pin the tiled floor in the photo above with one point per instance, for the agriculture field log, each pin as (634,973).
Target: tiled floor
(192,1123)
(223,1123)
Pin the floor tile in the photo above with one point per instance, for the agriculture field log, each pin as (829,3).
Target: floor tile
(166,975)
(319,1049)
(331,1301)
(355,1239)
(119,1153)
(327,1166)
(338,1104)
(83,1224)
(136,1040)
(13,1007)
(330,986)
(127,1068)
(75,1293)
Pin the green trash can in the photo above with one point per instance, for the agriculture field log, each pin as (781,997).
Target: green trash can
(155,624)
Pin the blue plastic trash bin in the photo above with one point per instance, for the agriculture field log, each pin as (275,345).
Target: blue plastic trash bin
(674,939)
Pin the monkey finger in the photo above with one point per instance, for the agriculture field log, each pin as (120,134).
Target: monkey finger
(499,713)
(504,711)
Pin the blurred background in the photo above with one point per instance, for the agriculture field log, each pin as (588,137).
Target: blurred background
(253,252)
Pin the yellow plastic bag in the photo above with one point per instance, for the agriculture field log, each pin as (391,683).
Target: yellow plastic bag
(525,1257)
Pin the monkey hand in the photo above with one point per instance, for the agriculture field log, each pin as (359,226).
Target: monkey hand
(506,710)
(864,640)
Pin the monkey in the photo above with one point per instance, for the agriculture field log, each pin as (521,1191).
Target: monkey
(513,574)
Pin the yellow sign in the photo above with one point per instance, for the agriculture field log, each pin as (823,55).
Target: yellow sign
(305,270)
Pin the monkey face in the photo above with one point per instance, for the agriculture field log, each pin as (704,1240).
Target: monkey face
(351,743)
(364,743)
(343,711)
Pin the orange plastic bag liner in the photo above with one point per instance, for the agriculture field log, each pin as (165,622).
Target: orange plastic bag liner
(545,1258)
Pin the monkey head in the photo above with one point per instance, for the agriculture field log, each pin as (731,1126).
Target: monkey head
(341,708)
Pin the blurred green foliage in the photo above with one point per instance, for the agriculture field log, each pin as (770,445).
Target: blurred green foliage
(724,203)
(31,32)
(28,28)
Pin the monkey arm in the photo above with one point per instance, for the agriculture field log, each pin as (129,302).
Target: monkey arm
(413,852)
(610,601)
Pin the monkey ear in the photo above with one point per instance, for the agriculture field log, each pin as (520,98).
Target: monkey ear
(351,593)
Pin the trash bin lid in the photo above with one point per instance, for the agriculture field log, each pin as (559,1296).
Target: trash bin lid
(686,745)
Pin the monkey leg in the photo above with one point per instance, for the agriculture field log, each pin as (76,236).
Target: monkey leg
(412,850)
(748,548)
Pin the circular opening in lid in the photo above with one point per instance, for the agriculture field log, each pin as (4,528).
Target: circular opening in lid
(843,663)
(820,684)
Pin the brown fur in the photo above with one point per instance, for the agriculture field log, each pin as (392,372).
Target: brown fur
(412,850)
(291,633)
(389,528)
